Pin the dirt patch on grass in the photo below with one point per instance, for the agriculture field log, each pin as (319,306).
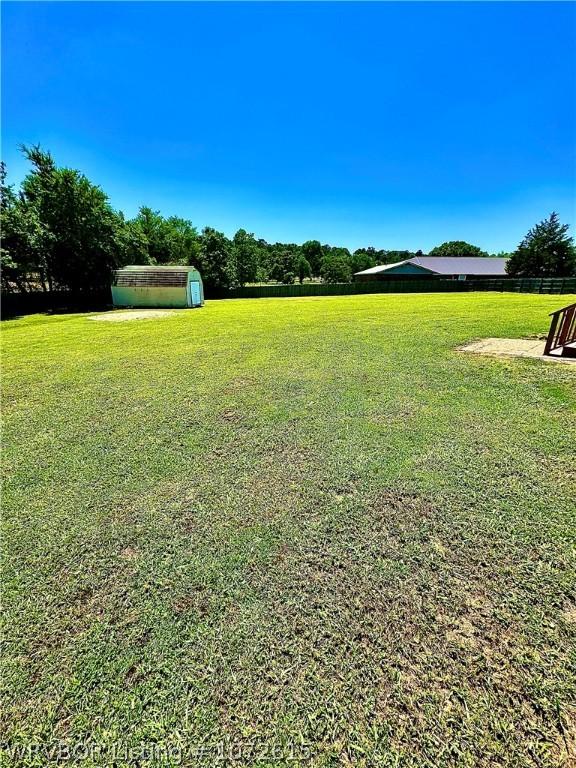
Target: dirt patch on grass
(134,314)
(195,603)
(239,384)
(232,416)
(129,553)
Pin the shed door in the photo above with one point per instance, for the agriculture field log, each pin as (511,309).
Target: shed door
(195,300)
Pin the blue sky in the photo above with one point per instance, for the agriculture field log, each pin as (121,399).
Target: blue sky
(398,125)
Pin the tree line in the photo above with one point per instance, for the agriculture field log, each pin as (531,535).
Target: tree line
(59,231)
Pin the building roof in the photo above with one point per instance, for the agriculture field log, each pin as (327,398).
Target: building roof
(448,265)
(386,267)
(157,267)
(462,265)
(144,276)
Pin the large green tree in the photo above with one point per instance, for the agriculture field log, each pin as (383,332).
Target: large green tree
(246,251)
(184,242)
(170,240)
(364,258)
(284,263)
(313,253)
(304,269)
(24,242)
(132,243)
(336,267)
(83,237)
(216,260)
(546,251)
(456,248)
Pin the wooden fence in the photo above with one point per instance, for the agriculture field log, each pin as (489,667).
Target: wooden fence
(14,304)
(516,285)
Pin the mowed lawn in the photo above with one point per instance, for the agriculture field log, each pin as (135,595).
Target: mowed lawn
(290,532)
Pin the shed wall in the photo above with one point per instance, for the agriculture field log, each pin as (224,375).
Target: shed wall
(150,296)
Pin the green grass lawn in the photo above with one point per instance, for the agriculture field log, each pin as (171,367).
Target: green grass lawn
(303,531)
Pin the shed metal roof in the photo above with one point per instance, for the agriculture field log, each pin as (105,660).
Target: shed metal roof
(157,267)
(144,276)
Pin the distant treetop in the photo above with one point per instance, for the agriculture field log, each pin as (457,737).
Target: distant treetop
(546,251)
(457,248)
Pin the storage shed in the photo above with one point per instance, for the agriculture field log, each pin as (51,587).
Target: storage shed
(145,286)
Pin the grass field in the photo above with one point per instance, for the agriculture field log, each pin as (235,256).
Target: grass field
(290,532)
